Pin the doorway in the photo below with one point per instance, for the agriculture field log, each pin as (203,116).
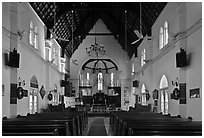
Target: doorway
(164,101)
(33,95)
(164,98)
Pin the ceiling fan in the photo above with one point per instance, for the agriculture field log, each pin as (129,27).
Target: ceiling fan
(139,34)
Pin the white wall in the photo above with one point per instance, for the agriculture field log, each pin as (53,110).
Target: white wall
(164,61)
(5,69)
(194,71)
(32,61)
(113,51)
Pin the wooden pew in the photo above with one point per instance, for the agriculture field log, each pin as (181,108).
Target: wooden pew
(37,119)
(81,118)
(152,124)
(33,127)
(166,128)
(73,119)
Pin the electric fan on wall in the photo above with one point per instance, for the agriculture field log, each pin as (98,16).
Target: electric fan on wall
(139,33)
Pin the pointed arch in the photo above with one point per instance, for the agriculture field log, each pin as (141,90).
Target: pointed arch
(163,82)
(143,88)
(144,100)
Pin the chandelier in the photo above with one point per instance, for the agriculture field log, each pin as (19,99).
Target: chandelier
(95,50)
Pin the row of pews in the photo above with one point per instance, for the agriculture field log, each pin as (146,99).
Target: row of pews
(67,123)
(152,124)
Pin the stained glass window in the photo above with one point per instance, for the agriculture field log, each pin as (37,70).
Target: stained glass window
(161,38)
(143,57)
(31,33)
(163,35)
(112,79)
(166,36)
(100,81)
(35,38)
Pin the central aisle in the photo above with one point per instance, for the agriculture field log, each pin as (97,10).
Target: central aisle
(98,126)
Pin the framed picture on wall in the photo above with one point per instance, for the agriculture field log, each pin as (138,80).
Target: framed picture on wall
(195,93)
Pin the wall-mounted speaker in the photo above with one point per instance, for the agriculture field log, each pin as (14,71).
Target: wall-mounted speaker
(64,83)
(14,58)
(181,59)
(136,83)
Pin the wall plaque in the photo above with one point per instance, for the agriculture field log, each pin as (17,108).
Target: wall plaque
(195,93)
(42,92)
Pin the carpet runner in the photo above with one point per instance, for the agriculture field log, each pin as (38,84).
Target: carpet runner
(98,127)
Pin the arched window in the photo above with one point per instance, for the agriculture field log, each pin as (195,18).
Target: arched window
(35,37)
(54,55)
(31,33)
(133,68)
(88,78)
(164,94)
(161,38)
(55,98)
(100,81)
(33,95)
(144,101)
(163,35)
(112,79)
(166,36)
(163,82)
(143,57)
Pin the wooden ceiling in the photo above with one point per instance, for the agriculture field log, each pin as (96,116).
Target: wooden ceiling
(78,18)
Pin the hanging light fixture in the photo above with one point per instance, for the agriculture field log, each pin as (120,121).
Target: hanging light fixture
(96,50)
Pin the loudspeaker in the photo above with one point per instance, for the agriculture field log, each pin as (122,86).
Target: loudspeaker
(14,58)
(64,83)
(181,59)
(136,83)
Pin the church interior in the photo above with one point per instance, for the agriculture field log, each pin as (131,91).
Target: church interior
(101,68)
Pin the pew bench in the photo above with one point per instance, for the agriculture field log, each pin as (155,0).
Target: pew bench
(148,124)
(34,129)
(44,127)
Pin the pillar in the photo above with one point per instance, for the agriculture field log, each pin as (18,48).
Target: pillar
(182,71)
(13,45)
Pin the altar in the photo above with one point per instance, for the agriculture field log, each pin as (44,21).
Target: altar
(99,102)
